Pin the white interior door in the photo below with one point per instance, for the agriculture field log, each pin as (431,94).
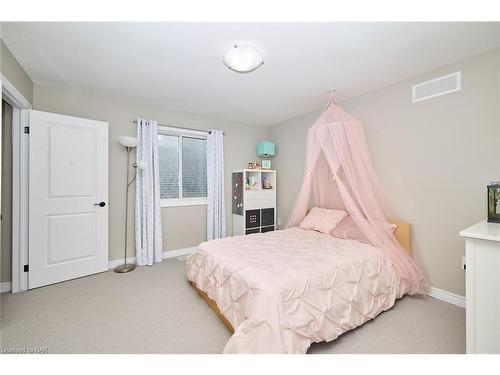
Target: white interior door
(68,198)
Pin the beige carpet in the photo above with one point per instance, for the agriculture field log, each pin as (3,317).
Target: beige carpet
(155,310)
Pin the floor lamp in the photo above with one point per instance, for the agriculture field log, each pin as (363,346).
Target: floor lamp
(129,143)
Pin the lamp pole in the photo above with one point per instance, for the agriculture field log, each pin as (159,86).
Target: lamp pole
(126,267)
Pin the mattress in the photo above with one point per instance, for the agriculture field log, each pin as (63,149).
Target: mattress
(283,290)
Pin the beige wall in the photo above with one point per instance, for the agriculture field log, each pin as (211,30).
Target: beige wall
(434,159)
(183,226)
(15,73)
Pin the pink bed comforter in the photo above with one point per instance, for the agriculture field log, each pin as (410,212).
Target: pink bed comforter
(283,290)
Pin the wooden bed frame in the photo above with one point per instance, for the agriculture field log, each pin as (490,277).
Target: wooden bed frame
(402,234)
(214,307)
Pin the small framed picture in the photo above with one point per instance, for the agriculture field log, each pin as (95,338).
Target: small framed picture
(266,164)
(494,203)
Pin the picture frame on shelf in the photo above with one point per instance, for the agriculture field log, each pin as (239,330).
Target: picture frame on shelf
(266,164)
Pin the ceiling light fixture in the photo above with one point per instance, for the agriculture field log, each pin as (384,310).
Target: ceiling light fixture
(243,59)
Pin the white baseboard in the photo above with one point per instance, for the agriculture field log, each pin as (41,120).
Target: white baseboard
(166,254)
(114,263)
(5,287)
(446,296)
(179,252)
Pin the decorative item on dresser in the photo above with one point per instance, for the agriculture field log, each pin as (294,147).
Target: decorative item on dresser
(494,202)
(482,278)
(254,201)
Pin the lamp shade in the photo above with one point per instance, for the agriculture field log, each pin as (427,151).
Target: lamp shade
(128,141)
(266,149)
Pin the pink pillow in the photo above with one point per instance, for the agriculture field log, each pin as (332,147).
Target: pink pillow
(347,229)
(323,220)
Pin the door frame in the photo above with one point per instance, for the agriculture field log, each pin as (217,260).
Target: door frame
(20,183)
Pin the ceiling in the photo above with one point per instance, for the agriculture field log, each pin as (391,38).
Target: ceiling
(179,65)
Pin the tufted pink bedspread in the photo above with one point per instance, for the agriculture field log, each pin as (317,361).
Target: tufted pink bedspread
(283,290)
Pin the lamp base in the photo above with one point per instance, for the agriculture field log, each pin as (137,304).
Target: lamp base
(124,268)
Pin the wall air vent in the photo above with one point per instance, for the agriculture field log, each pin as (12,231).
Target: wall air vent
(437,87)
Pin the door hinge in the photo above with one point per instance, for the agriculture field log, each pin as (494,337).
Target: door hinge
(26,130)
(26,268)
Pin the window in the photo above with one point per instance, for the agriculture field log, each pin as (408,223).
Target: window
(183,167)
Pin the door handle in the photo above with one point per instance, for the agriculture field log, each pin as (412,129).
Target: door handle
(100,204)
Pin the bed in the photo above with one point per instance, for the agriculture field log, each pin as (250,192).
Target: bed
(281,291)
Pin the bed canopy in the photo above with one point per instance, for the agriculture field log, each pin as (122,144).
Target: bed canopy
(339,175)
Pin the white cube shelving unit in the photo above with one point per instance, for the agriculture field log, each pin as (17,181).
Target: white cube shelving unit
(253,201)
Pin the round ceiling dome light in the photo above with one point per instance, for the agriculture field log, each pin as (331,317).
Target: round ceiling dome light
(243,59)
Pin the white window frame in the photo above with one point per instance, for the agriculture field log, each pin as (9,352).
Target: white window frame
(178,132)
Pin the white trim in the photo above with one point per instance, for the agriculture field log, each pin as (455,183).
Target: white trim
(20,118)
(20,199)
(178,202)
(5,287)
(459,86)
(179,252)
(114,263)
(166,254)
(12,95)
(166,130)
(446,296)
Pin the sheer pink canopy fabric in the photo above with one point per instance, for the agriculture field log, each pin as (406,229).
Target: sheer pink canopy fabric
(339,175)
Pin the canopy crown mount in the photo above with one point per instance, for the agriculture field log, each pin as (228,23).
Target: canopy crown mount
(332,98)
(332,95)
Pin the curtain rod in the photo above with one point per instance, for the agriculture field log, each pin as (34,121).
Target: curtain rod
(180,127)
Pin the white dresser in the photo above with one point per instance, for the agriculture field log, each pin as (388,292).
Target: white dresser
(482,251)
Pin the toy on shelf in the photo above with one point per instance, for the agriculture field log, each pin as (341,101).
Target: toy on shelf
(251,183)
(266,183)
